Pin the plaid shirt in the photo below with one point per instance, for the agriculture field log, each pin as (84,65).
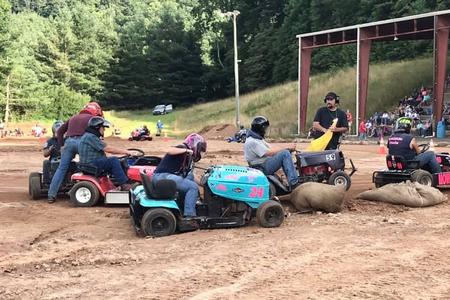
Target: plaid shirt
(90,148)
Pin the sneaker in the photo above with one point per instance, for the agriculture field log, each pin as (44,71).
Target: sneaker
(125,187)
(51,199)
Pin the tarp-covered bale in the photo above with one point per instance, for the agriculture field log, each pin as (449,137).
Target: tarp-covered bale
(408,193)
(312,196)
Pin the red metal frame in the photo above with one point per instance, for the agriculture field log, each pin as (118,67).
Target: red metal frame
(433,25)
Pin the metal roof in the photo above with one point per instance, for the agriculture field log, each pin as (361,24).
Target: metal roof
(425,15)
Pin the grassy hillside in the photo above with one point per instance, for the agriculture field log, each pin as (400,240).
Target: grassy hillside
(388,83)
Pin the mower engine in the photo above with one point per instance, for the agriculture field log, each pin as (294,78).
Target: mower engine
(314,173)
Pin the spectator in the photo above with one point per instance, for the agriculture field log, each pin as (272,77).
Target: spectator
(324,119)
(362,130)
(349,121)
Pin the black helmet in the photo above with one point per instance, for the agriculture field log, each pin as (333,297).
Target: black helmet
(259,125)
(56,126)
(331,95)
(97,122)
(403,125)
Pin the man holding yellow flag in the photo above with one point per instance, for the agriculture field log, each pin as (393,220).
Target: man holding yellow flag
(324,120)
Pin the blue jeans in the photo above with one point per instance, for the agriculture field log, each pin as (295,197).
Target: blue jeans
(428,159)
(111,165)
(186,185)
(67,154)
(362,136)
(281,160)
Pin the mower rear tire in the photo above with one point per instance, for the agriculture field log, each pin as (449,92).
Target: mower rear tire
(270,214)
(340,178)
(84,194)
(158,222)
(422,177)
(34,186)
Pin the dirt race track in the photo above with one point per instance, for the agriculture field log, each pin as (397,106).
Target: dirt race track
(368,251)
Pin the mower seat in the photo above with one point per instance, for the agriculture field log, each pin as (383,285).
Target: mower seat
(399,163)
(163,189)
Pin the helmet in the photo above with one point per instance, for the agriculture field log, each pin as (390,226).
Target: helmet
(331,95)
(97,122)
(92,108)
(56,126)
(259,125)
(403,125)
(197,144)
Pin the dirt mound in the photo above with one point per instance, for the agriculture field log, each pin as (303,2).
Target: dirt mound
(220,131)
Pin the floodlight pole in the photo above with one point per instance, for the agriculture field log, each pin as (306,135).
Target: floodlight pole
(235,13)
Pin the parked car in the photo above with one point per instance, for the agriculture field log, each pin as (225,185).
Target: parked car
(169,108)
(159,110)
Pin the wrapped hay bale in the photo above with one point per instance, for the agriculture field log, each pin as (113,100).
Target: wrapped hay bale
(311,196)
(408,193)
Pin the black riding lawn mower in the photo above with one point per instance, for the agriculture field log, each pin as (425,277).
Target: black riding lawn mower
(324,166)
(400,170)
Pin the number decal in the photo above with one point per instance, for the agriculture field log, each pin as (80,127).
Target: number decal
(329,157)
(257,192)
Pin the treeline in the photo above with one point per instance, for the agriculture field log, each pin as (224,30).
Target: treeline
(57,54)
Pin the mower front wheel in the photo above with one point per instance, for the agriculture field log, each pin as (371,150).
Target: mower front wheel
(34,185)
(270,214)
(84,194)
(158,222)
(340,178)
(422,177)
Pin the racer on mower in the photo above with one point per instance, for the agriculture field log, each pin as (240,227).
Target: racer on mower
(404,144)
(51,147)
(176,165)
(51,150)
(69,135)
(92,151)
(269,158)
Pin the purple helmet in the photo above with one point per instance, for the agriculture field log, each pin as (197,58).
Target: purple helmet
(197,144)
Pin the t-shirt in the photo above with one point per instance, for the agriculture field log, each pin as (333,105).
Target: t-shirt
(255,151)
(173,164)
(362,127)
(325,118)
(90,148)
(399,144)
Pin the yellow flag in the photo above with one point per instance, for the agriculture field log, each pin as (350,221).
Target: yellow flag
(321,143)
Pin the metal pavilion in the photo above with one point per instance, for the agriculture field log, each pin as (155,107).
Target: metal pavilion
(429,26)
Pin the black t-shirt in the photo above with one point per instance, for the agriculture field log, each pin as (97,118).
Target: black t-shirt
(173,164)
(325,118)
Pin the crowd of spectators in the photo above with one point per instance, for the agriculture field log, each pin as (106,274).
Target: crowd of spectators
(418,106)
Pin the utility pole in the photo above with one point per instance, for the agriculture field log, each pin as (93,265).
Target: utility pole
(235,13)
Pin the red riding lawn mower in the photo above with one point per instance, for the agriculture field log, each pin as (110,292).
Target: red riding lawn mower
(90,185)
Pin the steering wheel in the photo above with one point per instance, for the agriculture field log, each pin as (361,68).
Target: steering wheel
(139,151)
(425,147)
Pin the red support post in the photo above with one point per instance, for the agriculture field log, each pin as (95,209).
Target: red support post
(305,67)
(441,34)
(364,57)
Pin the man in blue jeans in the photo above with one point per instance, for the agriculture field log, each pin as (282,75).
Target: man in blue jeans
(404,144)
(176,166)
(72,130)
(92,151)
(259,153)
